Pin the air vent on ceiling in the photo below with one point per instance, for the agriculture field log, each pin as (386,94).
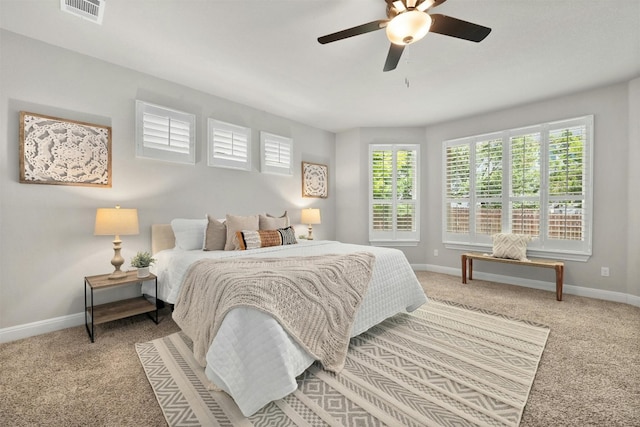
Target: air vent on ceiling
(92,10)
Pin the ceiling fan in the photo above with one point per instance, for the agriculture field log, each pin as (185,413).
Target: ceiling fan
(408,22)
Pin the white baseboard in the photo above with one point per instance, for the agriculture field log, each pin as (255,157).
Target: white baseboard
(536,284)
(41,327)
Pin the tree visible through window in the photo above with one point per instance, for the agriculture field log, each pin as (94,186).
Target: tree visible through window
(394,193)
(534,181)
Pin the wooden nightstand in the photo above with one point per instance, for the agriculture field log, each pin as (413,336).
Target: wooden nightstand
(97,314)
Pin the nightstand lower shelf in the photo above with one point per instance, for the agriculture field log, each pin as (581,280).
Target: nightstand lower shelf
(120,309)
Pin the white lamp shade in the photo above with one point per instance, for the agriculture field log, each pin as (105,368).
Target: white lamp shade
(116,222)
(408,27)
(310,216)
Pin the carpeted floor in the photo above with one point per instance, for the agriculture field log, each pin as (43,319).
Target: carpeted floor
(588,374)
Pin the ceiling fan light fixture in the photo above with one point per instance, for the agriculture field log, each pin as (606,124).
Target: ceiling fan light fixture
(408,27)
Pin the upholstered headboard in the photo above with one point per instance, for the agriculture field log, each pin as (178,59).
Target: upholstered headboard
(162,237)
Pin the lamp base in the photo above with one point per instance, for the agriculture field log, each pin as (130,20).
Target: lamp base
(117,274)
(117,260)
(310,235)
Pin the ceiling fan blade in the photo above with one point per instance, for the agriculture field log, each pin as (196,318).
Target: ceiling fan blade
(393,57)
(355,31)
(448,26)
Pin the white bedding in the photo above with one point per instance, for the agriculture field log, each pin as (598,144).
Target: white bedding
(252,358)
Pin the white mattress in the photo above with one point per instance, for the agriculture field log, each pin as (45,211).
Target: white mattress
(252,358)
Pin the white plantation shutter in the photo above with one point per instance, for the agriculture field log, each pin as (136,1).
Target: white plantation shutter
(406,187)
(276,154)
(382,191)
(568,185)
(164,134)
(393,194)
(535,181)
(229,145)
(488,187)
(457,196)
(525,183)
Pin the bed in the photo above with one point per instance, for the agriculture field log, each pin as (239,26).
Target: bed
(252,357)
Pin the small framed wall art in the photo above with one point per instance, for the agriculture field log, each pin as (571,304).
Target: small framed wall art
(64,152)
(315,180)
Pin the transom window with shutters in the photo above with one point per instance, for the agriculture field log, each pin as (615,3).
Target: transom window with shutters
(276,154)
(535,181)
(394,208)
(165,134)
(228,145)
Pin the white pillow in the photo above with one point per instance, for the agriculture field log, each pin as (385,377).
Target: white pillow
(509,245)
(189,233)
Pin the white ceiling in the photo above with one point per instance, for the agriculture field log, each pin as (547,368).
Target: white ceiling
(264,53)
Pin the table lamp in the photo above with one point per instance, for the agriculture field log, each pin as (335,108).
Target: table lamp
(116,222)
(310,216)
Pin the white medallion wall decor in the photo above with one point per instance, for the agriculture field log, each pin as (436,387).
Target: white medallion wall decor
(315,180)
(64,152)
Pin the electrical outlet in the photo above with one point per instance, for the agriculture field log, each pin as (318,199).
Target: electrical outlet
(435,252)
(604,271)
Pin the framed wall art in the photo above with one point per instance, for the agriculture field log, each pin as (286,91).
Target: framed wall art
(64,152)
(315,180)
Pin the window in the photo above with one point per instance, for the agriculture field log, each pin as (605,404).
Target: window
(394,215)
(229,145)
(165,134)
(534,181)
(276,154)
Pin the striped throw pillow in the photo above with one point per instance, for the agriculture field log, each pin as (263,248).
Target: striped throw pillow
(250,239)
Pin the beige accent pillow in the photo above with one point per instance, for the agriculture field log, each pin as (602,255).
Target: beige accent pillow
(239,223)
(270,222)
(215,235)
(509,245)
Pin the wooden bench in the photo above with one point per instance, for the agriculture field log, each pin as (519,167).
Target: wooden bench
(558,266)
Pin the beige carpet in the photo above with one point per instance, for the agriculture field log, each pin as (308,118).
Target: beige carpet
(445,364)
(588,374)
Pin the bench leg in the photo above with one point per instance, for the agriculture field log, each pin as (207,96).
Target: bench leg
(464,268)
(559,280)
(470,268)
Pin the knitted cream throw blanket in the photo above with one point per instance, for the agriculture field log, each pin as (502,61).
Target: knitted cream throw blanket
(314,298)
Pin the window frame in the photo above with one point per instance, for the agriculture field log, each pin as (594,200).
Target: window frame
(395,237)
(149,150)
(280,168)
(231,161)
(543,245)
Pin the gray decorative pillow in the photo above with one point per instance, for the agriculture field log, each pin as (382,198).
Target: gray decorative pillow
(239,223)
(509,245)
(270,222)
(215,236)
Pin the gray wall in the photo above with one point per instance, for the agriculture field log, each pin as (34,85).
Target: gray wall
(46,232)
(615,225)
(47,244)
(633,191)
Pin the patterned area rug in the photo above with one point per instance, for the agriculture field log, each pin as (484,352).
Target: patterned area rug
(444,364)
